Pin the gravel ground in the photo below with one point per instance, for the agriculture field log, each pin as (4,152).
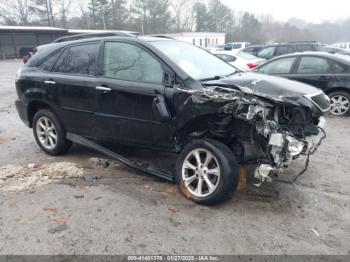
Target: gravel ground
(47,207)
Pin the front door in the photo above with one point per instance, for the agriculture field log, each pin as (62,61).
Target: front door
(132,82)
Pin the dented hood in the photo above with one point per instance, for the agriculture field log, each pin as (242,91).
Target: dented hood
(272,87)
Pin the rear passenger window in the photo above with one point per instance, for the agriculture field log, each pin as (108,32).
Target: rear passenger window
(304,48)
(129,62)
(79,60)
(280,66)
(313,65)
(282,50)
(47,64)
(266,52)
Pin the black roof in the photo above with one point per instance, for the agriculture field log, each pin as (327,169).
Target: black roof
(336,57)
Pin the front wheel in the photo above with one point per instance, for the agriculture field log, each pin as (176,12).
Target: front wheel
(207,172)
(340,103)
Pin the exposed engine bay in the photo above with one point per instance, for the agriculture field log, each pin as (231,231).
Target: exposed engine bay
(260,130)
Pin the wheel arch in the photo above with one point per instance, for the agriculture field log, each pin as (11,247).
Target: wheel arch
(338,89)
(34,106)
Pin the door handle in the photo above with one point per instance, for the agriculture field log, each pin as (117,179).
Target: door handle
(104,89)
(324,78)
(49,82)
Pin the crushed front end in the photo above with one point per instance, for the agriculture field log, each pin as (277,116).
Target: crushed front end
(269,133)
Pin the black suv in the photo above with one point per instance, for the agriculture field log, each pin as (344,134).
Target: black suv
(168,95)
(270,51)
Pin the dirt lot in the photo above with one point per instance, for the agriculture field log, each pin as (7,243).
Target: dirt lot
(47,207)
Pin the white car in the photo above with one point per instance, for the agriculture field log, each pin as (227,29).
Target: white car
(215,48)
(242,61)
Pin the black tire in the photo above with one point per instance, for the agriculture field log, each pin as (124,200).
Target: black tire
(229,171)
(62,144)
(343,94)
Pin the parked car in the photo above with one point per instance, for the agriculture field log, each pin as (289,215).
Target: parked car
(252,49)
(330,73)
(336,50)
(242,61)
(270,51)
(236,46)
(215,48)
(168,95)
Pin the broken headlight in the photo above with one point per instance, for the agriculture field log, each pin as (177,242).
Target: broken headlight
(295,147)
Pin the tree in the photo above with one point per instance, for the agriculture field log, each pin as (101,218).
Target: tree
(63,7)
(119,14)
(183,14)
(201,16)
(43,8)
(220,17)
(151,16)
(16,11)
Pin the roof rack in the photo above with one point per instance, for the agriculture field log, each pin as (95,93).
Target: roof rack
(91,35)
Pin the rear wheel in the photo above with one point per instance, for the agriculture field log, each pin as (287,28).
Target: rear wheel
(207,172)
(340,103)
(49,133)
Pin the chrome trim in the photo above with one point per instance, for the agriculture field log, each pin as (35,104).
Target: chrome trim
(309,96)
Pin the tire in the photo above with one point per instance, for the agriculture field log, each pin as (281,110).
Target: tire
(46,127)
(222,172)
(340,103)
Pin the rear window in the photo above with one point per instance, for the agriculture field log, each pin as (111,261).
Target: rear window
(79,60)
(47,64)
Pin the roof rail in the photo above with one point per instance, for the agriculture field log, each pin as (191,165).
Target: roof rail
(306,41)
(91,35)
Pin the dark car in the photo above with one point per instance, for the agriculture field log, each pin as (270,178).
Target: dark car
(330,73)
(273,50)
(168,95)
(252,49)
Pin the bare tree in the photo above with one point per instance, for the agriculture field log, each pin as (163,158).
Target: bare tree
(63,11)
(183,14)
(16,11)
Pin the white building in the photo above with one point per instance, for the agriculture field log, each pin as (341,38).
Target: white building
(203,39)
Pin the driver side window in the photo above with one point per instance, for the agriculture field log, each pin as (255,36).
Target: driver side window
(129,62)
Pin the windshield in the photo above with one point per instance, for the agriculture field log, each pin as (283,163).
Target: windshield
(196,62)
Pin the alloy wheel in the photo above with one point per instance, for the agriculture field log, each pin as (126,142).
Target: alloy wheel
(201,172)
(46,132)
(340,105)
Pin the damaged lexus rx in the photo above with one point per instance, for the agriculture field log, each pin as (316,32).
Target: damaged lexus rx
(168,95)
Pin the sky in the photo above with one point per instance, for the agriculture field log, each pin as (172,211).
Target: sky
(309,10)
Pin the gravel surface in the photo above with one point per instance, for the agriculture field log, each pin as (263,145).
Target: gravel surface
(73,204)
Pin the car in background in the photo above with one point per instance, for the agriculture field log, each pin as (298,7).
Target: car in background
(252,49)
(328,72)
(345,45)
(215,48)
(236,46)
(273,50)
(336,50)
(242,61)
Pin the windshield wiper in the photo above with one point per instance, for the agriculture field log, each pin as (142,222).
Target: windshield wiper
(217,77)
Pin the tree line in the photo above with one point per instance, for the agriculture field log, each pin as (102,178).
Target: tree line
(167,16)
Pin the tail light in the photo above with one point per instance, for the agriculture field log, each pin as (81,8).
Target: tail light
(252,65)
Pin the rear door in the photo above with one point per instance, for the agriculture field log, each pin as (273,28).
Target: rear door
(73,78)
(129,93)
(279,67)
(313,70)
